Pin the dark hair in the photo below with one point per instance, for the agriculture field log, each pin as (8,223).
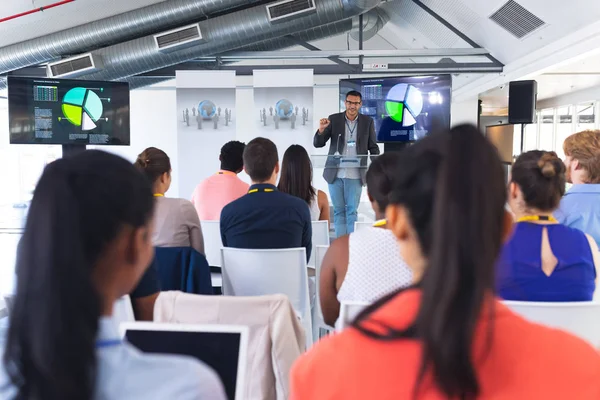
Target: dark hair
(452,186)
(153,163)
(354,93)
(79,206)
(232,156)
(541,177)
(296,174)
(380,175)
(260,159)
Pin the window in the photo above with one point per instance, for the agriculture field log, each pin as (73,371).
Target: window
(546,128)
(585,117)
(22,166)
(564,128)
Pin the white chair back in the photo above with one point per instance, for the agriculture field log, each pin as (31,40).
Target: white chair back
(257,272)
(123,311)
(581,319)
(320,237)
(211,232)
(360,225)
(348,311)
(320,328)
(9,242)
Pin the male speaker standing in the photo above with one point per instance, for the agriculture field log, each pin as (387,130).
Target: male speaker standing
(352,134)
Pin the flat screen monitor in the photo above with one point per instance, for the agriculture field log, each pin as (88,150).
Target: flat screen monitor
(405,109)
(222,347)
(67,112)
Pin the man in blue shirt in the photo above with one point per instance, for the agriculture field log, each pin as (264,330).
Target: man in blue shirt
(580,208)
(265,218)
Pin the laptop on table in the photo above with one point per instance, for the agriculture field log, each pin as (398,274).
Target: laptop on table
(222,347)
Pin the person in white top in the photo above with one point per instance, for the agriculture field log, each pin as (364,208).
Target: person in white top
(87,242)
(296,180)
(365,265)
(176,220)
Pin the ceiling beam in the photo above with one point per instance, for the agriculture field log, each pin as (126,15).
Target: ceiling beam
(335,59)
(331,69)
(303,54)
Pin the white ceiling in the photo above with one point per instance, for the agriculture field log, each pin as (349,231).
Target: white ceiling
(56,19)
(573,76)
(409,27)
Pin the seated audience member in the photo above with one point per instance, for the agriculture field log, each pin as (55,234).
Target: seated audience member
(366,264)
(296,179)
(144,295)
(580,208)
(87,242)
(265,218)
(543,260)
(176,222)
(448,337)
(220,189)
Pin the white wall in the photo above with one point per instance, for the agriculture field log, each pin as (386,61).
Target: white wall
(153,124)
(464,111)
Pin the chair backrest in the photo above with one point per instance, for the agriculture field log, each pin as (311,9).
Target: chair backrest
(320,237)
(276,337)
(183,268)
(578,318)
(123,311)
(9,242)
(211,232)
(257,272)
(348,311)
(320,252)
(359,225)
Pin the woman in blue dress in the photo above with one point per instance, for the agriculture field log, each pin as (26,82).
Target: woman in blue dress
(543,260)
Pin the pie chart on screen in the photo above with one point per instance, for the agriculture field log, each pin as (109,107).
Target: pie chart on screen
(404,103)
(82,107)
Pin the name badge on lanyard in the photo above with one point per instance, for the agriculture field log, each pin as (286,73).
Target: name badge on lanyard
(352,129)
(349,162)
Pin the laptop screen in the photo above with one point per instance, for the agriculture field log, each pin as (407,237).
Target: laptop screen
(219,350)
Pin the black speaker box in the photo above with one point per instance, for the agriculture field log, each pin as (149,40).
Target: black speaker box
(522,96)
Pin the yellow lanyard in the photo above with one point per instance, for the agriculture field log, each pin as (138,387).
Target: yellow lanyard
(267,190)
(530,218)
(223,172)
(158,195)
(379,223)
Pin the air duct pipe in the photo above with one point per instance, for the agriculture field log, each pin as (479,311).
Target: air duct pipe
(317,33)
(221,34)
(133,24)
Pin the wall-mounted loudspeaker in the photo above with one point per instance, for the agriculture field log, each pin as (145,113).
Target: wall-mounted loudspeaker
(522,96)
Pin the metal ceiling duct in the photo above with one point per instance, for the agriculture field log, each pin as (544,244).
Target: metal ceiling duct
(317,33)
(222,34)
(104,32)
(373,21)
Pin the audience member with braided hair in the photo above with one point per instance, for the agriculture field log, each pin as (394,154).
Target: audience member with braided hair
(544,260)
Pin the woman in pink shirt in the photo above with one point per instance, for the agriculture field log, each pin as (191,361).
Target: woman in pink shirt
(220,189)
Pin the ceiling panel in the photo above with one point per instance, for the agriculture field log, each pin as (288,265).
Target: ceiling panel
(56,19)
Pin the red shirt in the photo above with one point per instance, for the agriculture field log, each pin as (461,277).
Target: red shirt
(526,361)
(215,192)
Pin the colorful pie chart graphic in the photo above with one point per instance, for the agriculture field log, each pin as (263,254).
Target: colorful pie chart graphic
(82,107)
(404,103)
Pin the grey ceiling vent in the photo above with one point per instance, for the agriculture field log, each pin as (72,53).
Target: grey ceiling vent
(179,38)
(286,9)
(516,19)
(74,66)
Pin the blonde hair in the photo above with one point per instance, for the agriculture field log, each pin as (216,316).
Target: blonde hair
(585,148)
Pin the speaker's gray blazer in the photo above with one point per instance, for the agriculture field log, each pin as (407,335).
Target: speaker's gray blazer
(366,143)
